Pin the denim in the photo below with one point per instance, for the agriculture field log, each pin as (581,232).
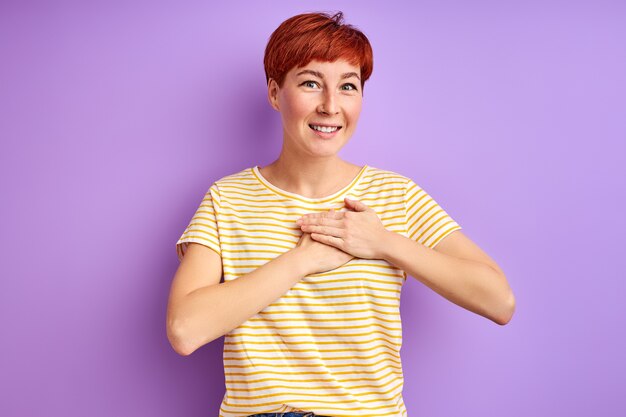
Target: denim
(290,414)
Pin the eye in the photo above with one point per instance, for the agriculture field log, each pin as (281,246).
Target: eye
(352,85)
(308,82)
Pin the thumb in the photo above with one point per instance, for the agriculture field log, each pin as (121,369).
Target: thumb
(356,205)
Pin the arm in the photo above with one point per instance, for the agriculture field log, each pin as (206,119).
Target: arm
(198,317)
(458,270)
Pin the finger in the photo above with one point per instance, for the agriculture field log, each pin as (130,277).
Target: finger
(328,240)
(311,216)
(304,218)
(334,214)
(323,221)
(324,230)
(357,205)
(331,214)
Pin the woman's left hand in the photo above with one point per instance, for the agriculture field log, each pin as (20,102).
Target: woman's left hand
(357,231)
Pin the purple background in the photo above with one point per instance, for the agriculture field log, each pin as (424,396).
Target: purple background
(116,117)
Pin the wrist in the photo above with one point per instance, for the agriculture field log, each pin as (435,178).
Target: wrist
(386,243)
(300,261)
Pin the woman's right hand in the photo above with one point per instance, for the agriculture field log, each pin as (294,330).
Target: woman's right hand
(321,257)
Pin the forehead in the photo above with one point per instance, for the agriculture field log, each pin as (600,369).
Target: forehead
(329,69)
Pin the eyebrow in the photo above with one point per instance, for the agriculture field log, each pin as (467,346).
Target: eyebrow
(320,75)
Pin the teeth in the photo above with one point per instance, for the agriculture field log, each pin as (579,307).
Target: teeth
(324,129)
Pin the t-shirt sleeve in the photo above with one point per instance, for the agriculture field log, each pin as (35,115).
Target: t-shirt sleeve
(203,225)
(426,221)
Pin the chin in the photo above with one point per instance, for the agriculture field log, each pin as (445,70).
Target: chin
(326,150)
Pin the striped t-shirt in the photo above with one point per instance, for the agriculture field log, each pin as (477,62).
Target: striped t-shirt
(330,344)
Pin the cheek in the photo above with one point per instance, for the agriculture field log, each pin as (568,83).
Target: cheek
(354,113)
(295,107)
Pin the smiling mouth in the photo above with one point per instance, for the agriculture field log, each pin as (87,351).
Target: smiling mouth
(325,129)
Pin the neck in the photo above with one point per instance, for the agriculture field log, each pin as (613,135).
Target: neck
(311,177)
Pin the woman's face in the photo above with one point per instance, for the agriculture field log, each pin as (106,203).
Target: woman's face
(320,93)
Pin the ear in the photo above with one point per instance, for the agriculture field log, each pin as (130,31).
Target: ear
(272,94)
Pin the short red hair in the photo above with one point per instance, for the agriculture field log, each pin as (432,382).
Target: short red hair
(316,36)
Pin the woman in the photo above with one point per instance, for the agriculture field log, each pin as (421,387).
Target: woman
(314,250)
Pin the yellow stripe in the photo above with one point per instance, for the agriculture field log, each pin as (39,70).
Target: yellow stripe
(319,401)
(316,350)
(309,394)
(313,319)
(229,341)
(276,376)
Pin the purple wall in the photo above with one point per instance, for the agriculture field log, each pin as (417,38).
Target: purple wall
(115,119)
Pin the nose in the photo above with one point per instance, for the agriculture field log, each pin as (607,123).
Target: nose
(328,104)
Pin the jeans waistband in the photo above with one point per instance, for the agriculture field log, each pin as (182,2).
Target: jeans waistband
(289,414)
